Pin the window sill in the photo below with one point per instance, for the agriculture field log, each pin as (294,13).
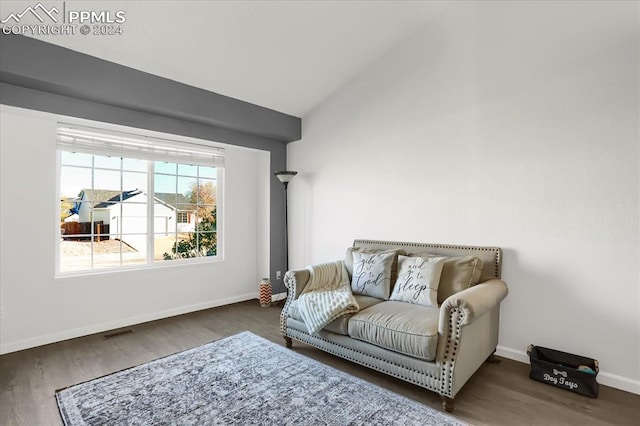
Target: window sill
(136,268)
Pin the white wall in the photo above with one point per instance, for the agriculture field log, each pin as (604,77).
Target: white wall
(38,309)
(509,124)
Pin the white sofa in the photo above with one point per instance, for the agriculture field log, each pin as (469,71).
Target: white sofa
(437,348)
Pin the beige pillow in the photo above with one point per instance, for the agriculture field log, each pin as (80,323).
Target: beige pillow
(418,280)
(458,273)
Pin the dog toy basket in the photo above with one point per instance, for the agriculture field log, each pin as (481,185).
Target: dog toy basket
(564,370)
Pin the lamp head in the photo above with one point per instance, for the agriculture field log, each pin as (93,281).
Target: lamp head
(285,176)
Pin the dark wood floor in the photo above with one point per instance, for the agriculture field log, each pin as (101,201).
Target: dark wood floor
(498,394)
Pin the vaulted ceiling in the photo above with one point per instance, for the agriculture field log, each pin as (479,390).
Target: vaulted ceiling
(284,55)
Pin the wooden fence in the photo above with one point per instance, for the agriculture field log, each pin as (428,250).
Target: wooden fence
(81,231)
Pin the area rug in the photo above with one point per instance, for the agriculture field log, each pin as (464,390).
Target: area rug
(240,380)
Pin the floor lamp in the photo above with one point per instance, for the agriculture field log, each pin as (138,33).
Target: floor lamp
(285,177)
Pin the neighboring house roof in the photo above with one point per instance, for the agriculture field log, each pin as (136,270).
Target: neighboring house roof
(116,198)
(94,195)
(107,198)
(177,201)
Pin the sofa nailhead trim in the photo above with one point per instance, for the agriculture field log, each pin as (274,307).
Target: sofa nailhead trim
(456,317)
(423,384)
(495,250)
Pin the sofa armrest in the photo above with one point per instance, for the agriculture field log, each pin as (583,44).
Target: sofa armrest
(295,281)
(472,302)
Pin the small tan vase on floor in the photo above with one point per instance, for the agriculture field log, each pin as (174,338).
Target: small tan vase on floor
(265,293)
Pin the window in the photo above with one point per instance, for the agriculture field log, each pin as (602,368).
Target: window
(129,200)
(183,217)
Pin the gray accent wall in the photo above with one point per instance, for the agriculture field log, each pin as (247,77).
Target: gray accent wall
(44,77)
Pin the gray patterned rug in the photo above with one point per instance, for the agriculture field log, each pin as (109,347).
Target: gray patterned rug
(240,380)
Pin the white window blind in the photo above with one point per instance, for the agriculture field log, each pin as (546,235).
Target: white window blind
(110,143)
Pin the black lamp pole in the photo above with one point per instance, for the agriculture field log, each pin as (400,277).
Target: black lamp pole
(286,229)
(285,177)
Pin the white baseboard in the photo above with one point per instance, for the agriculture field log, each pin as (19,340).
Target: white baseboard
(7,347)
(512,354)
(278,296)
(608,379)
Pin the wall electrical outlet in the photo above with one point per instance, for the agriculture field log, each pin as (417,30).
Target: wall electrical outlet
(278,275)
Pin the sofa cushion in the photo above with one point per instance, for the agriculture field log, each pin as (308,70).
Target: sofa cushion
(372,274)
(338,325)
(418,280)
(458,273)
(401,327)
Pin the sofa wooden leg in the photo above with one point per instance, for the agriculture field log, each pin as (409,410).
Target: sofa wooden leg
(447,403)
(288,341)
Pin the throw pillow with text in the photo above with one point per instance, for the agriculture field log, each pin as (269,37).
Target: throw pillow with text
(418,280)
(372,274)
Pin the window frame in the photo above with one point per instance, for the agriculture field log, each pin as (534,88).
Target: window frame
(150,262)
